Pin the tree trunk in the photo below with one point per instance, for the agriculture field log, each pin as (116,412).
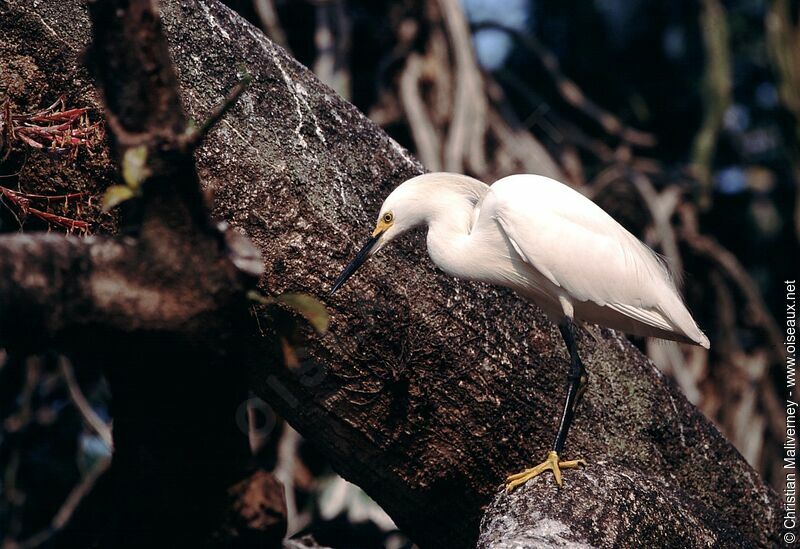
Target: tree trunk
(427,391)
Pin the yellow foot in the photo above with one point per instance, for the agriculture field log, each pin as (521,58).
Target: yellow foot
(552,463)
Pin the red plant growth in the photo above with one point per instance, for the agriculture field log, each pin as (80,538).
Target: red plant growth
(55,129)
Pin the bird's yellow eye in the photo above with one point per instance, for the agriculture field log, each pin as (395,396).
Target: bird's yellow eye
(388,217)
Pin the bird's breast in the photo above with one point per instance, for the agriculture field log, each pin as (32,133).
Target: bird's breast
(485,255)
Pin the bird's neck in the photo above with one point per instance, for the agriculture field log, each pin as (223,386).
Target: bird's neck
(450,241)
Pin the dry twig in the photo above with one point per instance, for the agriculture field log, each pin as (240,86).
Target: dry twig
(90,417)
(466,136)
(425,136)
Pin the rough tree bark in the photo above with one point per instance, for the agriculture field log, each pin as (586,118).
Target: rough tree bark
(161,306)
(427,391)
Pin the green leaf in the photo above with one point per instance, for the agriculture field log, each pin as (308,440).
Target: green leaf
(134,166)
(311,309)
(116,195)
(258,297)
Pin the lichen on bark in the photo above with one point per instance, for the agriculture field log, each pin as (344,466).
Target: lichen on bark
(427,391)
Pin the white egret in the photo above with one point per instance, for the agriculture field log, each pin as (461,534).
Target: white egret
(553,246)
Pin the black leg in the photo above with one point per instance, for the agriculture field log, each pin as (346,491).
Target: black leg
(577,383)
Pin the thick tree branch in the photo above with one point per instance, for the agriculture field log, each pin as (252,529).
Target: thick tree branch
(163,311)
(427,391)
(627,508)
(40,293)
(132,67)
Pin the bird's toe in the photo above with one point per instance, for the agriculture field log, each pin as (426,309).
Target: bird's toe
(552,463)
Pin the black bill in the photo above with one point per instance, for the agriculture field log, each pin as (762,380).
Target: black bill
(357,261)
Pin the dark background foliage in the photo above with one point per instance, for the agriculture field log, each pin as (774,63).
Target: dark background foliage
(709,114)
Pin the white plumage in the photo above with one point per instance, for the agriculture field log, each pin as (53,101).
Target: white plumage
(553,246)
(549,243)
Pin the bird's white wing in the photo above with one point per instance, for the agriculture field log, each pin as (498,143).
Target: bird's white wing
(584,251)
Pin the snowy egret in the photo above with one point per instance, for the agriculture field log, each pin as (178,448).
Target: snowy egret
(553,246)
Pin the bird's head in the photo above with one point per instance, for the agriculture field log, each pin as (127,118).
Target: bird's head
(423,199)
(402,210)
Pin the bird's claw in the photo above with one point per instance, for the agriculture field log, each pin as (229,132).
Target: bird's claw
(552,463)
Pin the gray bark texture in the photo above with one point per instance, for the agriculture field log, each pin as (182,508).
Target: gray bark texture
(427,391)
